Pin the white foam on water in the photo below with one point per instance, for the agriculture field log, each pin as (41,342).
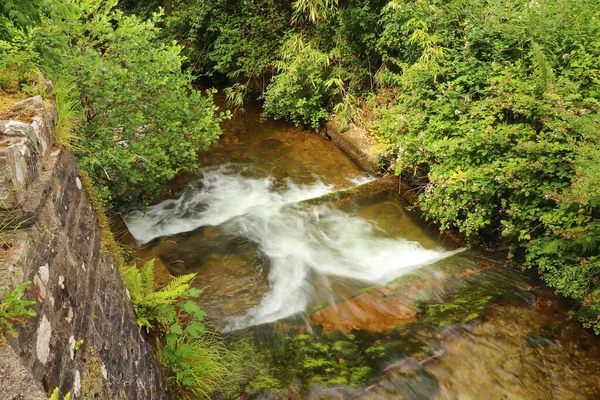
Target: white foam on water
(300,242)
(361,180)
(224,194)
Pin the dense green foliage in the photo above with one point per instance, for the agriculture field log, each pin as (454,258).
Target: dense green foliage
(503,118)
(489,107)
(190,350)
(22,14)
(142,122)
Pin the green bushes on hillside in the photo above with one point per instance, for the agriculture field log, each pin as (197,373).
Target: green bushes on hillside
(142,120)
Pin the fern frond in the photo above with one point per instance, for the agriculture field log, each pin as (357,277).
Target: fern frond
(178,282)
(147,275)
(133,281)
(170,293)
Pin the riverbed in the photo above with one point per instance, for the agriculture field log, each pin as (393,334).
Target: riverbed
(357,298)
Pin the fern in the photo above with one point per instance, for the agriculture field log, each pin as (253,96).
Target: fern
(175,289)
(148,303)
(147,276)
(133,282)
(545,76)
(14,311)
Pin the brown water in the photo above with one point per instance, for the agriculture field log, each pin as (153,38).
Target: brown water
(361,299)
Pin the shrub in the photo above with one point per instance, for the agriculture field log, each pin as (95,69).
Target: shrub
(144,123)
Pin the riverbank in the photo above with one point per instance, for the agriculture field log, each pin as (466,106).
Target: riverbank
(358,144)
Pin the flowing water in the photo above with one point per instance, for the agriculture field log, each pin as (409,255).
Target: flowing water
(356,298)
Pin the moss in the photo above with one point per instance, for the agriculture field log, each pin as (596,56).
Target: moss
(470,302)
(360,375)
(109,244)
(92,386)
(316,308)
(264,382)
(369,289)
(253,366)
(376,351)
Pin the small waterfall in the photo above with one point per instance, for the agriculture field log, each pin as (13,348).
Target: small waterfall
(300,242)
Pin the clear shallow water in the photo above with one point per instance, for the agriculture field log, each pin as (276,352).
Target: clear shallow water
(368,289)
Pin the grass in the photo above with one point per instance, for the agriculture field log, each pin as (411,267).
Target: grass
(198,364)
(68,109)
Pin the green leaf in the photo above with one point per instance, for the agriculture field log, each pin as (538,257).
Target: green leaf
(195,329)
(176,329)
(171,339)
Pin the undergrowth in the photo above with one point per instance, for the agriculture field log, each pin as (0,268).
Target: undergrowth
(188,347)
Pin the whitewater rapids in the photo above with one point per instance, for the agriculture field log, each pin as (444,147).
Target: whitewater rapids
(300,242)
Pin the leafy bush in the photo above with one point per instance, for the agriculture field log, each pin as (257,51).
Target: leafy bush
(21,14)
(144,121)
(502,119)
(299,90)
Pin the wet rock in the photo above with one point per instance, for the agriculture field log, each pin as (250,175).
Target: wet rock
(356,143)
(336,393)
(409,381)
(536,341)
(405,366)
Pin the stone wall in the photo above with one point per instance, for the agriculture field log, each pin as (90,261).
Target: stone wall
(84,338)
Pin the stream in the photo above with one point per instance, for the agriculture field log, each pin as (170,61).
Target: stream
(357,297)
